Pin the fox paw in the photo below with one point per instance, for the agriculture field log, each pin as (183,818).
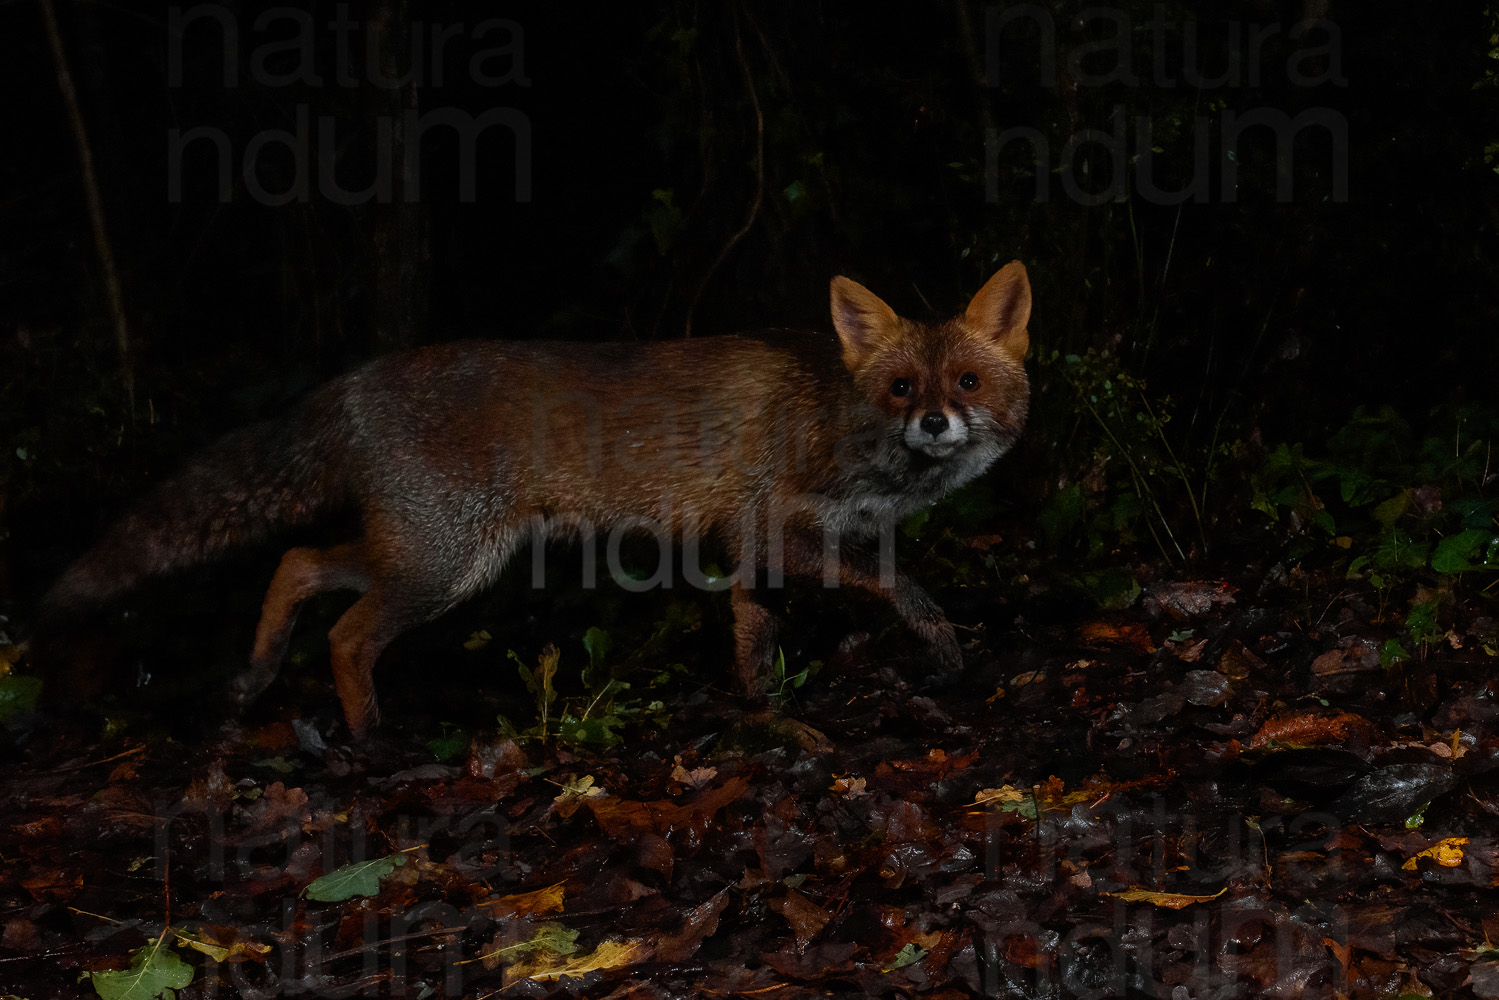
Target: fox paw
(946,653)
(246,686)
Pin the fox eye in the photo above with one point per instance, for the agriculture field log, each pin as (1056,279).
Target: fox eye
(900,387)
(969,381)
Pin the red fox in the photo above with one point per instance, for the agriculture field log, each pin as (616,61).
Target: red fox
(782,445)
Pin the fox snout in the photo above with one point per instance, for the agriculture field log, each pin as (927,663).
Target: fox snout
(936,433)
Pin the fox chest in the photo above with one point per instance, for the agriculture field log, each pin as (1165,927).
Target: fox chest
(876,499)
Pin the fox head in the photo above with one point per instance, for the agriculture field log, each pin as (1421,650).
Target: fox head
(950,388)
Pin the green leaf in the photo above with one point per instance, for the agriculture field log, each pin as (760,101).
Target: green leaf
(155,973)
(1397,551)
(18,695)
(1421,623)
(1114,589)
(1059,517)
(1390,511)
(665,219)
(1457,553)
(598,644)
(453,741)
(1474,511)
(1355,487)
(598,730)
(1025,806)
(909,955)
(913,526)
(362,878)
(1392,653)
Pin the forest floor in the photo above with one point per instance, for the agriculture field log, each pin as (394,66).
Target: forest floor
(1210,793)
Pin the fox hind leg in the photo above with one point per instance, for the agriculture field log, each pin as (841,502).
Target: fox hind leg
(411,582)
(361,635)
(303,572)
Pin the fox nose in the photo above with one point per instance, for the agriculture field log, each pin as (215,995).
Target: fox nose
(934,423)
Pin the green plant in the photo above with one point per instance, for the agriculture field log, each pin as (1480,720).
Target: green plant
(1136,476)
(1391,507)
(786,683)
(540,682)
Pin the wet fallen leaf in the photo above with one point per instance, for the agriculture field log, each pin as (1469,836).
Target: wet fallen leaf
(1448,853)
(1183,599)
(1106,634)
(1307,729)
(1169,900)
(850,787)
(222,945)
(908,955)
(534,903)
(806,918)
(574,793)
(362,878)
(608,955)
(695,778)
(998,796)
(155,972)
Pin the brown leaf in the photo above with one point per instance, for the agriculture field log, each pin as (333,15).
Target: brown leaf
(1187,598)
(821,960)
(698,924)
(1191,652)
(533,903)
(1353,655)
(1308,729)
(125,807)
(54,885)
(623,818)
(1102,635)
(1238,662)
(608,955)
(1170,900)
(278,807)
(806,918)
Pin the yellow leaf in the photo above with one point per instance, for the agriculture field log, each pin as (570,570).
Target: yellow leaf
(1170,900)
(1448,853)
(10,655)
(538,901)
(998,796)
(237,950)
(852,787)
(574,794)
(608,955)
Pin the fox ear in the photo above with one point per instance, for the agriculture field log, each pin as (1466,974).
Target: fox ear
(1001,310)
(863,321)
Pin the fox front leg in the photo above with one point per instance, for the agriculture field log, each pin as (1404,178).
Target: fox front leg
(855,566)
(755,632)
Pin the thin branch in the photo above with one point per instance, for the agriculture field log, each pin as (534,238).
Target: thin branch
(754,209)
(95,207)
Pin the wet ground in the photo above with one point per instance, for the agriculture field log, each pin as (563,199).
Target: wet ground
(1210,794)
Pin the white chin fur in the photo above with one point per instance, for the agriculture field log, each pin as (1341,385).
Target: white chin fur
(943,444)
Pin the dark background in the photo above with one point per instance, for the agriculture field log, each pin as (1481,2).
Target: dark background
(713,165)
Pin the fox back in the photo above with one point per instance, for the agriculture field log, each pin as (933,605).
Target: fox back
(455,456)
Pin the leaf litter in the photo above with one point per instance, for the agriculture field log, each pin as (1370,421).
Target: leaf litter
(1207,795)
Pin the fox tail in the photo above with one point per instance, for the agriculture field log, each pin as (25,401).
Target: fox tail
(267,476)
